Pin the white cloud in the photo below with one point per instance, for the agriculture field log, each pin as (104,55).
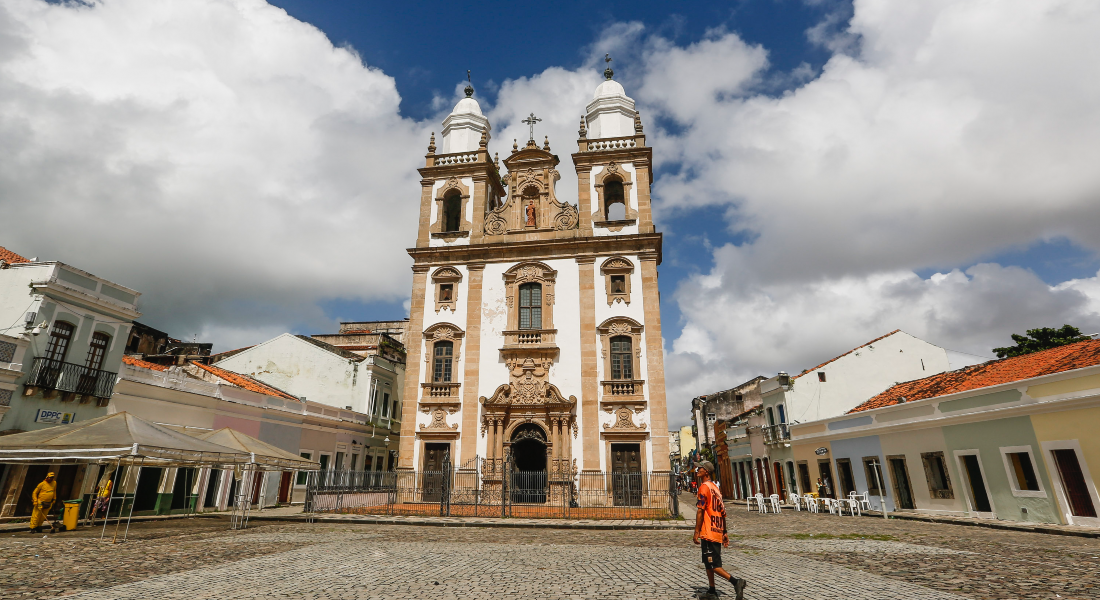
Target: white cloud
(938,133)
(222,157)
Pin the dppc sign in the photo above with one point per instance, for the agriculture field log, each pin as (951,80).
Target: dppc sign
(54,417)
(822,451)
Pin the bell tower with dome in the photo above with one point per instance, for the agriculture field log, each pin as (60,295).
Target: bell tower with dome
(535,327)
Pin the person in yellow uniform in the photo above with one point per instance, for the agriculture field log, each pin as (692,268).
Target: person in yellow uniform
(42,499)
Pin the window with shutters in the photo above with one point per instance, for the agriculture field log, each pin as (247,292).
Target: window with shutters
(97,350)
(444,355)
(60,337)
(622,361)
(530,306)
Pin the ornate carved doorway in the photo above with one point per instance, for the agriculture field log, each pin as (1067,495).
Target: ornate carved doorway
(529,476)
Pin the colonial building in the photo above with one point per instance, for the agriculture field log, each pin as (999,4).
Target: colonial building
(535,328)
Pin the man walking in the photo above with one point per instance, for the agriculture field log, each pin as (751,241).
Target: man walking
(42,501)
(710,529)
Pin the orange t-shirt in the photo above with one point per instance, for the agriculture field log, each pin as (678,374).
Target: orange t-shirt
(714,512)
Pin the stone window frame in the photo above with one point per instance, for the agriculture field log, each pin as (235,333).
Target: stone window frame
(530,272)
(448,332)
(464,227)
(617,265)
(613,327)
(443,276)
(937,494)
(599,217)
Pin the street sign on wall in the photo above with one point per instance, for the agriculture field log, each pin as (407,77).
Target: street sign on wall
(54,417)
(822,451)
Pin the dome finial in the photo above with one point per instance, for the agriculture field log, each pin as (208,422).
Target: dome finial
(608,73)
(469,85)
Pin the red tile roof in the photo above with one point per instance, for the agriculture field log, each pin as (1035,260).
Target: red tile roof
(244,381)
(11,257)
(881,337)
(994,372)
(141,364)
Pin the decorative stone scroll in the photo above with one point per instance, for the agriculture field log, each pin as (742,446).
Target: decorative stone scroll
(439,421)
(624,420)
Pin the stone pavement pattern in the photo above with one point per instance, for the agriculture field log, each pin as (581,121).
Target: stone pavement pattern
(198,559)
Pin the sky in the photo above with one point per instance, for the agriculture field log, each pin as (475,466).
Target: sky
(826,171)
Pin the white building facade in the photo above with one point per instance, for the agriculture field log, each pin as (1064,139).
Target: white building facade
(534,329)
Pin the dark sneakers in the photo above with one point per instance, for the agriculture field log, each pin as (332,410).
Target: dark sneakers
(739,587)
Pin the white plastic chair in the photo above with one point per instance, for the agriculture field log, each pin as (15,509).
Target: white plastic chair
(774,501)
(811,503)
(862,500)
(750,501)
(761,503)
(795,500)
(831,505)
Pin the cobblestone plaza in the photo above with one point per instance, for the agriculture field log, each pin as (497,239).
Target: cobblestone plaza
(793,555)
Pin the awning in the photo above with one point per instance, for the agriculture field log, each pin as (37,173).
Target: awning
(121,436)
(263,454)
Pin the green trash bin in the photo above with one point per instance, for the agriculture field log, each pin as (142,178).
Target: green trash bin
(71,514)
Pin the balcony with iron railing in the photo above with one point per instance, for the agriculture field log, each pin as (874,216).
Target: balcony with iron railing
(71,380)
(776,434)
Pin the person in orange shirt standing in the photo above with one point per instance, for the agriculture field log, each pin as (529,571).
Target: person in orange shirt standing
(710,529)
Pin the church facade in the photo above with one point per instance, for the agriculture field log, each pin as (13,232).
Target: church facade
(535,331)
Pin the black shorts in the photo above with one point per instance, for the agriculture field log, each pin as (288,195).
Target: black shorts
(712,554)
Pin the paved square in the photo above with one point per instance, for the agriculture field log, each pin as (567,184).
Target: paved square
(793,555)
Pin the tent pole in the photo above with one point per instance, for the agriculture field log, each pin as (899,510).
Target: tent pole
(110,496)
(126,534)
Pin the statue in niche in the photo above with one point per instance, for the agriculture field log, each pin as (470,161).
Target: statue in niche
(531,222)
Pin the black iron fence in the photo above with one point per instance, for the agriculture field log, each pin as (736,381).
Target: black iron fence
(486,488)
(71,378)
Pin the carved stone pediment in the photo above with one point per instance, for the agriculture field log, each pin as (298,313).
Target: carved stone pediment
(624,420)
(439,421)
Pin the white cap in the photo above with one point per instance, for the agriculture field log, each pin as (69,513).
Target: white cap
(462,128)
(611,112)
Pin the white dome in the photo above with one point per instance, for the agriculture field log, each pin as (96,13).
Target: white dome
(609,89)
(469,106)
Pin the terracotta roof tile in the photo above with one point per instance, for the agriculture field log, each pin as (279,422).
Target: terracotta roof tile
(881,337)
(244,381)
(141,364)
(11,257)
(994,372)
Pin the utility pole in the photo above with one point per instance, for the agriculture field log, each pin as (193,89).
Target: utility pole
(878,481)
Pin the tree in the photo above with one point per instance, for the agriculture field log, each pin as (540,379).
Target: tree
(1043,338)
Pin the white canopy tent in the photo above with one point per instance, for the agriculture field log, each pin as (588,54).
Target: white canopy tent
(123,440)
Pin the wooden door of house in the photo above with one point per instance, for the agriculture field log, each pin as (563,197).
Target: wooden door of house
(1073,483)
(978,495)
(903,491)
(284,487)
(626,474)
(432,475)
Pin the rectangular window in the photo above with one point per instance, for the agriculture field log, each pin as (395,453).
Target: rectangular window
(385,405)
(935,471)
(446,292)
(821,376)
(530,306)
(873,468)
(618,284)
(301,480)
(324,461)
(1023,471)
(622,361)
(339,464)
(782,413)
(354,460)
(444,352)
(373,400)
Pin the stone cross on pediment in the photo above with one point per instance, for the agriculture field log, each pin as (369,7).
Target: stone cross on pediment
(530,122)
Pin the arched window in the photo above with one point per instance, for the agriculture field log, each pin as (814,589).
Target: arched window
(622,362)
(614,200)
(452,211)
(60,336)
(97,349)
(530,306)
(444,355)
